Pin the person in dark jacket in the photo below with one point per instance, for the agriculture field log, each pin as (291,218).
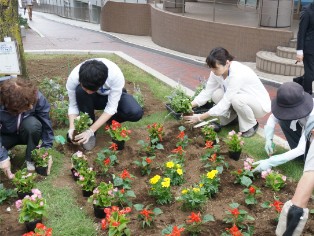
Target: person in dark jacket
(305,45)
(24,119)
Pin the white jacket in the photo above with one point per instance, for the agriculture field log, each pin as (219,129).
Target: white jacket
(112,87)
(241,80)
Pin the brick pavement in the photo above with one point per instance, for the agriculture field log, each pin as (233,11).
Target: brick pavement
(63,36)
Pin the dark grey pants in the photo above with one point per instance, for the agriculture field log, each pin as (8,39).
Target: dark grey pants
(308,62)
(29,134)
(128,108)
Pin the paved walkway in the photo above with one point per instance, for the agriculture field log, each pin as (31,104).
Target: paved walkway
(50,32)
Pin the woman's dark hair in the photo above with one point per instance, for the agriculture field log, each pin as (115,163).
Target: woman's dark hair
(17,95)
(218,55)
(93,74)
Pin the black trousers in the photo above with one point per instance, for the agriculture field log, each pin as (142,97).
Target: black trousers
(128,108)
(29,134)
(308,62)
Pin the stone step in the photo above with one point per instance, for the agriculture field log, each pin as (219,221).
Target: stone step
(293,43)
(286,52)
(271,63)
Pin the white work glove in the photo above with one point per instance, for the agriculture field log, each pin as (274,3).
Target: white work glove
(84,137)
(269,135)
(193,119)
(269,163)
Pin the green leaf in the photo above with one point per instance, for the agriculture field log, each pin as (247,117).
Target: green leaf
(138,207)
(208,218)
(266,204)
(246,181)
(157,211)
(117,181)
(130,193)
(312,211)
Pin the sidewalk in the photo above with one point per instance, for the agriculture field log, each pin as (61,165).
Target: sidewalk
(141,49)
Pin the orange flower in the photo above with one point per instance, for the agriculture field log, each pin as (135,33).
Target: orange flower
(103,224)
(194,218)
(107,161)
(122,191)
(209,144)
(235,212)
(115,224)
(178,150)
(181,135)
(252,190)
(234,231)
(240,171)
(213,157)
(125,175)
(114,147)
(147,214)
(148,160)
(277,204)
(176,231)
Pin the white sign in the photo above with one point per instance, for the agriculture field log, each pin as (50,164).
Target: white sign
(9,59)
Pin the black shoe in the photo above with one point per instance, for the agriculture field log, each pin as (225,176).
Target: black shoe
(250,132)
(217,127)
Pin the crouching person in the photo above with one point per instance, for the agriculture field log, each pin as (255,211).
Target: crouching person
(295,213)
(24,120)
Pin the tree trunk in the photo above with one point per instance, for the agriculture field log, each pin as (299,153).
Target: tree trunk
(9,27)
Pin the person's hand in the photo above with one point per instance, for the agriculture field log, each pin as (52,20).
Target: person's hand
(193,119)
(83,138)
(269,147)
(299,58)
(70,135)
(262,165)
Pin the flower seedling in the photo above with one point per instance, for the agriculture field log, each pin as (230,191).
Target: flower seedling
(237,216)
(276,205)
(234,141)
(209,133)
(179,101)
(210,182)
(174,171)
(173,230)
(116,220)
(122,197)
(5,194)
(82,123)
(156,132)
(195,221)
(192,198)
(150,147)
(87,179)
(138,96)
(41,156)
(179,153)
(79,161)
(107,157)
(245,175)
(183,139)
(275,180)
(40,230)
(160,189)
(24,181)
(250,194)
(118,132)
(235,231)
(103,195)
(145,164)
(147,216)
(124,180)
(32,207)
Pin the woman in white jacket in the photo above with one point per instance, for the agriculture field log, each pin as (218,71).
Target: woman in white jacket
(237,92)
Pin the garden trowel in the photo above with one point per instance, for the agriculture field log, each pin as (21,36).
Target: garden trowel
(204,123)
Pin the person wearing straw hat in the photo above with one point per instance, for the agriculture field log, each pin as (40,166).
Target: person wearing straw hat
(291,108)
(294,214)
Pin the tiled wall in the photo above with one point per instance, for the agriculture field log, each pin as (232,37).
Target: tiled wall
(189,35)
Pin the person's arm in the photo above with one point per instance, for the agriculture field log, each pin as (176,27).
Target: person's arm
(42,113)
(303,25)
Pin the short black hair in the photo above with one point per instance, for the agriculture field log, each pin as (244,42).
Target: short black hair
(218,55)
(93,74)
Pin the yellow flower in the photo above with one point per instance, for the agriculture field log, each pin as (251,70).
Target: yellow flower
(167,180)
(184,191)
(178,166)
(179,171)
(155,179)
(212,174)
(196,190)
(201,185)
(165,184)
(170,164)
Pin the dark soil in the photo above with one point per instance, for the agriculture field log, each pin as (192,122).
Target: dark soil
(229,192)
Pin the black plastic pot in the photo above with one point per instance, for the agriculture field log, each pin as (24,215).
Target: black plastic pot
(99,212)
(30,226)
(41,170)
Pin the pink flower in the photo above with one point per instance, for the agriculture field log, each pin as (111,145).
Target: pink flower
(96,191)
(18,204)
(265,173)
(41,203)
(284,178)
(81,178)
(36,191)
(232,132)
(79,154)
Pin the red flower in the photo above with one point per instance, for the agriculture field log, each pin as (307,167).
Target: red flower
(107,161)
(178,150)
(176,231)
(252,190)
(114,147)
(125,175)
(148,160)
(195,218)
(115,224)
(235,212)
(115,208)
(213,157)
(29,234)
(181,135)
(115,125)
(122,191)
(234,231)
(147,214)
(103,224)
(209,144)
(240,171)
(277,205)
(40,226)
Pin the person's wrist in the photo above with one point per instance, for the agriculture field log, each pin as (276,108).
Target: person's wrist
(199,118)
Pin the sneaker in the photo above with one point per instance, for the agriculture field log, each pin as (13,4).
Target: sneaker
(30,166)
(251,131)
(90,144)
